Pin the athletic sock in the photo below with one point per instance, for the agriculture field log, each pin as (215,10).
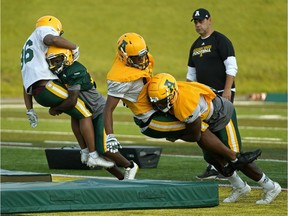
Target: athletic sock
(236,181)
(93,155)
(266,182)
(85,150)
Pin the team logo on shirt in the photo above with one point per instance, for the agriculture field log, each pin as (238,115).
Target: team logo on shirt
(201,50)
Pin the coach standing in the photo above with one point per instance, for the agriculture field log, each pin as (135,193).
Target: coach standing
(212,62)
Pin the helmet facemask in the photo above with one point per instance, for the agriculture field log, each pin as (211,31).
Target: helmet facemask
(141,61)
(132,51)
(58,59)
(166,103)
(163,91)
(56,63)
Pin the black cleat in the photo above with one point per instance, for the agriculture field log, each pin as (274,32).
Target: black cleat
(209,173)
(245,158)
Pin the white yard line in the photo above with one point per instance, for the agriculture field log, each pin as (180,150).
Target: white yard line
(258,117)
(263,140)
(162,155)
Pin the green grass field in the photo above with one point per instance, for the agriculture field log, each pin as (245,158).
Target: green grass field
(262,125)
(258,30)
(95,25)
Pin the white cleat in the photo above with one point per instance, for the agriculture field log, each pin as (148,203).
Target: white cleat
(237,193)
(130,173)
(270,195)
(92,162)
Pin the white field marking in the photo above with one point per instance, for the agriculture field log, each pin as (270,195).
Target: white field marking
(74,143)
(164,155)
(193,156)
(62,133)
(39,107)
(22,147)
(253,187)
(36,132)
(261,128)
(133,124)
(16,143)
(14,106)
(60,141)
(128,142)
(263,140)
(268,117)
(40,120)
(62,120)
(249,103)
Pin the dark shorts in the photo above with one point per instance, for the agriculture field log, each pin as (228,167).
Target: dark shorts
(55,93)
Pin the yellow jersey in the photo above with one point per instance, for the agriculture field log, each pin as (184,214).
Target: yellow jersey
(130,84)
(194,100)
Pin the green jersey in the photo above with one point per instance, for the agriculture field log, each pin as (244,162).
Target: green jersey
(76,77)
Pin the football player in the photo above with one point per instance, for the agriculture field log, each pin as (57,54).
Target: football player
(202,111)
(40,82)
(128,81)
(80,84)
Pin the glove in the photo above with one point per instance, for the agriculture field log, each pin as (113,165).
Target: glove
(32,117)
(76,54)
(112,143)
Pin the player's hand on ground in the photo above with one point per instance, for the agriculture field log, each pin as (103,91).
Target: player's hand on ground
(112,144)
(32,117)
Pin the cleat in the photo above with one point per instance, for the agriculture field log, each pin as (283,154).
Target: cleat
(245,158)
(237,193)
(84,157)
(208,174)
(270,195)
(92,162)
(130,173)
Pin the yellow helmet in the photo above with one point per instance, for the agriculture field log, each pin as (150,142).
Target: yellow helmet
(58,58)
(132,50)
(163,91)
(50,21)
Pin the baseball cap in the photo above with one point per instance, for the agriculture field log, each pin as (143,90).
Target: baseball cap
(200,14)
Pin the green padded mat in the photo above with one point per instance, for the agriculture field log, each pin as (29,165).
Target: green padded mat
(96,194)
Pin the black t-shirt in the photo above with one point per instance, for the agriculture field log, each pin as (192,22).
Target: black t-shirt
(208,56)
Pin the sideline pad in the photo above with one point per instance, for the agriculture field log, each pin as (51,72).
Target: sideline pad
(19,176)
(96,194)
